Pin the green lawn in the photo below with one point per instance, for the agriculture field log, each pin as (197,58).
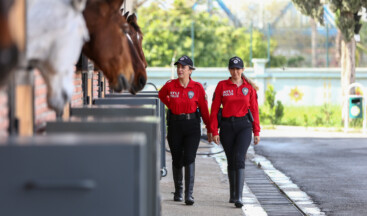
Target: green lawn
(310,116)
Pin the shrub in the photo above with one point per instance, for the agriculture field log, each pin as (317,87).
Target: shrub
(272,110)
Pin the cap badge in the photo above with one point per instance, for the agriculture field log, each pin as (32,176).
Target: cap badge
(245,91)
(235,61)
(191,94)
(182,58)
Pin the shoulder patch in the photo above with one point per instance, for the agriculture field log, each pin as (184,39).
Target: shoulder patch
(169,81)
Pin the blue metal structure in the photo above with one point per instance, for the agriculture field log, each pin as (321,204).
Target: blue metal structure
(223,6)
(231,16)
(329,20)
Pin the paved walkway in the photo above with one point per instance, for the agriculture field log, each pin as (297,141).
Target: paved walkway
(211,192)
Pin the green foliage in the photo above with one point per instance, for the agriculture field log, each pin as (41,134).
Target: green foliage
(344,10)
(278,61)
(168,31)
(312,8)
(313,116)
(272,110)
(295,61)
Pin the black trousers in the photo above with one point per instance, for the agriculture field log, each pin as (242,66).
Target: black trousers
(235,138)
(183,139)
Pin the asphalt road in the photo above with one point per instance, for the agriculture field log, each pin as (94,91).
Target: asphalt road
(333,171)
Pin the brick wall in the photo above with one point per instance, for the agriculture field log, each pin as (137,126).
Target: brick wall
(41,110)
(95,85)
(107,85)
(4,120)
(77,98)
(42,113)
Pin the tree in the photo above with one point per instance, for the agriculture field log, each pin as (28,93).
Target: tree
(168,31)
(347,21)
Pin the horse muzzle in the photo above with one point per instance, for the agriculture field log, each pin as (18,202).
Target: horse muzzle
(122,84)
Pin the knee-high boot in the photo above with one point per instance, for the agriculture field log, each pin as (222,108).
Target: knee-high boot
(177,178)
(189,183)
(240,179)
(231,178)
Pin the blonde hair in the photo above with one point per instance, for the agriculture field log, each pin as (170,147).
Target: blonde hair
(252,83)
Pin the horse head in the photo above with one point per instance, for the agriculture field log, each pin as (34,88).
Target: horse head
(135,39)
(56,33)
(108,47)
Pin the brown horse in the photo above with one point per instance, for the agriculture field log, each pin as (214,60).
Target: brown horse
(12,36)
(108,47)
(135,39)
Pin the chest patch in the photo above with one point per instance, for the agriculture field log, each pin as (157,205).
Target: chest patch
(191,94)
(174,94)
(228,93)
(245,91)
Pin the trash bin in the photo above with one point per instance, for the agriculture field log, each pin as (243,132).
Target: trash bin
(356,107)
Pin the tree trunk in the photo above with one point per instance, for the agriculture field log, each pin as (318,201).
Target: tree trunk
(313,42)
(348,50)
(338,40)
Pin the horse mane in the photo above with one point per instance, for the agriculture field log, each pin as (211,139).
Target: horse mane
(252,83)
(132,21)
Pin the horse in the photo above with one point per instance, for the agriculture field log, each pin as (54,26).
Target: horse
(12,36)
(108,47)
(56,32)
(135,39)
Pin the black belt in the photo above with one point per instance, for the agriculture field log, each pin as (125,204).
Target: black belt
(183,116)
(233,118)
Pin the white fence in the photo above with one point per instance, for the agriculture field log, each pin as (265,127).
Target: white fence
(294,86)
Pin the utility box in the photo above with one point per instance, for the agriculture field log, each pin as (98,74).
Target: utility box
(356,107)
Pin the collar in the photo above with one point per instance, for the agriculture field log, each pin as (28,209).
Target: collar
(229,81)
(189,85)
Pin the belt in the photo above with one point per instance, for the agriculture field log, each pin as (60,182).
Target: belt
(183,116)
(233,118)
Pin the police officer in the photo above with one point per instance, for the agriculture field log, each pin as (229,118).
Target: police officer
(183,97)
(238,97)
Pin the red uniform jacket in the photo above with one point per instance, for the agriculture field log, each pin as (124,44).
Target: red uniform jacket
(182,100)
(236,101)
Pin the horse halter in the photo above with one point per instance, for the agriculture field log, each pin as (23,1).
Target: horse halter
(126,31)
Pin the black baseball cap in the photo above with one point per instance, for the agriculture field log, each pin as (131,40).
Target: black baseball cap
(235,62)
(185,60)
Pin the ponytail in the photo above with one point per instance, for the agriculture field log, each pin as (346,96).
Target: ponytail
(252,83)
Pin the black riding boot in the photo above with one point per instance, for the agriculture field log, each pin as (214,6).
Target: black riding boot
(231,178)
(189,183)
(240,179)
(177,178)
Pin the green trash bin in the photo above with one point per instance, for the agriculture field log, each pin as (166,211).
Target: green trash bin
(356,107)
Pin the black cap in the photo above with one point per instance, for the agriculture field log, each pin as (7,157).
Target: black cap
(185,60)
(235,62)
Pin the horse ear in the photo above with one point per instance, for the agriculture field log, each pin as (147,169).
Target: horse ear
(131,18)
(134,17)
(126,15)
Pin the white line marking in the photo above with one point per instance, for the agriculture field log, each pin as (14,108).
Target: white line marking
(300,198)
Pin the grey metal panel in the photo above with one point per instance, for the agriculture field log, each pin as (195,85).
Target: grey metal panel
(114,110)
(142,98)
(113,95)
(147,125)
(127,100)
(73,175)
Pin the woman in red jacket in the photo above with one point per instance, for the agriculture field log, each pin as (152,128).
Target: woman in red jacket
(240,118)
(183,97)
